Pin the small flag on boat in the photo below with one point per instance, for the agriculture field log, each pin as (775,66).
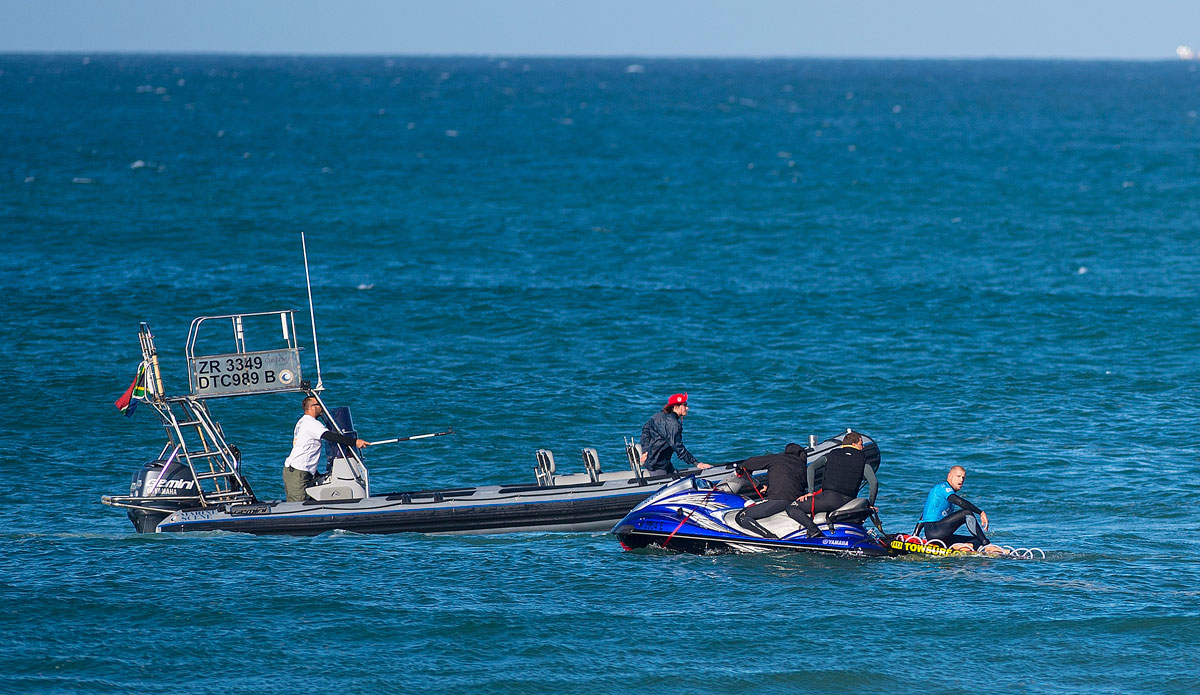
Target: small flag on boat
(139,383)
(128,401)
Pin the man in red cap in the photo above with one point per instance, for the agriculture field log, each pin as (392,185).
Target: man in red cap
(662,436)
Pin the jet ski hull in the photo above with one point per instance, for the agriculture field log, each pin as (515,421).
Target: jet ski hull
(684,518)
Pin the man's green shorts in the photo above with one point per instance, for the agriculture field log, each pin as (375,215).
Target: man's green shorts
(295,482)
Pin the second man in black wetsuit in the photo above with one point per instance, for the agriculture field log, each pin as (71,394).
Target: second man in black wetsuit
(843,477)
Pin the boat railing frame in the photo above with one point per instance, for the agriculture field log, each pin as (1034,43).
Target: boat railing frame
(196,437)
(237,363)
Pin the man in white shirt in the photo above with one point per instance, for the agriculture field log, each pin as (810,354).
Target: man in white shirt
(301,464)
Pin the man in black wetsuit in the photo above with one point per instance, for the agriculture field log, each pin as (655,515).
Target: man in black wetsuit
(843,477)
(662,435)
(786,481)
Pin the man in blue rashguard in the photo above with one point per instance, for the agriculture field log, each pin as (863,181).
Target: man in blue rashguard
(940,520)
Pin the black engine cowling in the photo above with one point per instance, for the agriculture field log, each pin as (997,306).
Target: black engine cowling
(150,481)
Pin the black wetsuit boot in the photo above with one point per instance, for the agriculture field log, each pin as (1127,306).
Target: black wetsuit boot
(801,517)
(753,525)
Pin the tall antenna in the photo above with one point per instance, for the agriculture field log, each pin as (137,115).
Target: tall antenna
(311,315)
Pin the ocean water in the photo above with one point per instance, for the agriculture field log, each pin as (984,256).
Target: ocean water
(986,263)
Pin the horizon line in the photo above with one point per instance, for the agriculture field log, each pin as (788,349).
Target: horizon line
(582,56)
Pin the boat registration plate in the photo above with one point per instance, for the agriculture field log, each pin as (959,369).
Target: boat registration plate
(247,372)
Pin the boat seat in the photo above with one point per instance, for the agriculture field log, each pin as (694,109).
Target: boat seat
(545,467)
(591,463)
(633,452)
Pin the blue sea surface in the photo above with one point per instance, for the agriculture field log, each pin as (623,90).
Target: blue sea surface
(987,263)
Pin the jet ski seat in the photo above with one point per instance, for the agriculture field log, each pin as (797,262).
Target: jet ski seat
(779,524)
(855,511)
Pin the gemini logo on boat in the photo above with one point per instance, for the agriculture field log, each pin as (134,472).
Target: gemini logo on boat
(172,485)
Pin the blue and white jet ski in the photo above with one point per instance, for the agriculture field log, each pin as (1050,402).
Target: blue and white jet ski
(700,516)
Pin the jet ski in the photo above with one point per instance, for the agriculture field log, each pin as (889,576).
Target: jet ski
(700,516)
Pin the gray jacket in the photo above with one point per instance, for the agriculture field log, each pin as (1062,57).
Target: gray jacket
(662,436)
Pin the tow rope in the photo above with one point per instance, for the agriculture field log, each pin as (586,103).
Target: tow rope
(749,479)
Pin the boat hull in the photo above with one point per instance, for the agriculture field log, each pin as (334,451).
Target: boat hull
(574,506)
(487,509)
(379,515)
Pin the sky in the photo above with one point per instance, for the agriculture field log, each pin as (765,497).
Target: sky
(1121,29)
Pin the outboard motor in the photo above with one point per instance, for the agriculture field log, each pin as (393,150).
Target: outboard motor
(152,481)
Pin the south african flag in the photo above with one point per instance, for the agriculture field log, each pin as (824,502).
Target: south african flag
(128,401)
